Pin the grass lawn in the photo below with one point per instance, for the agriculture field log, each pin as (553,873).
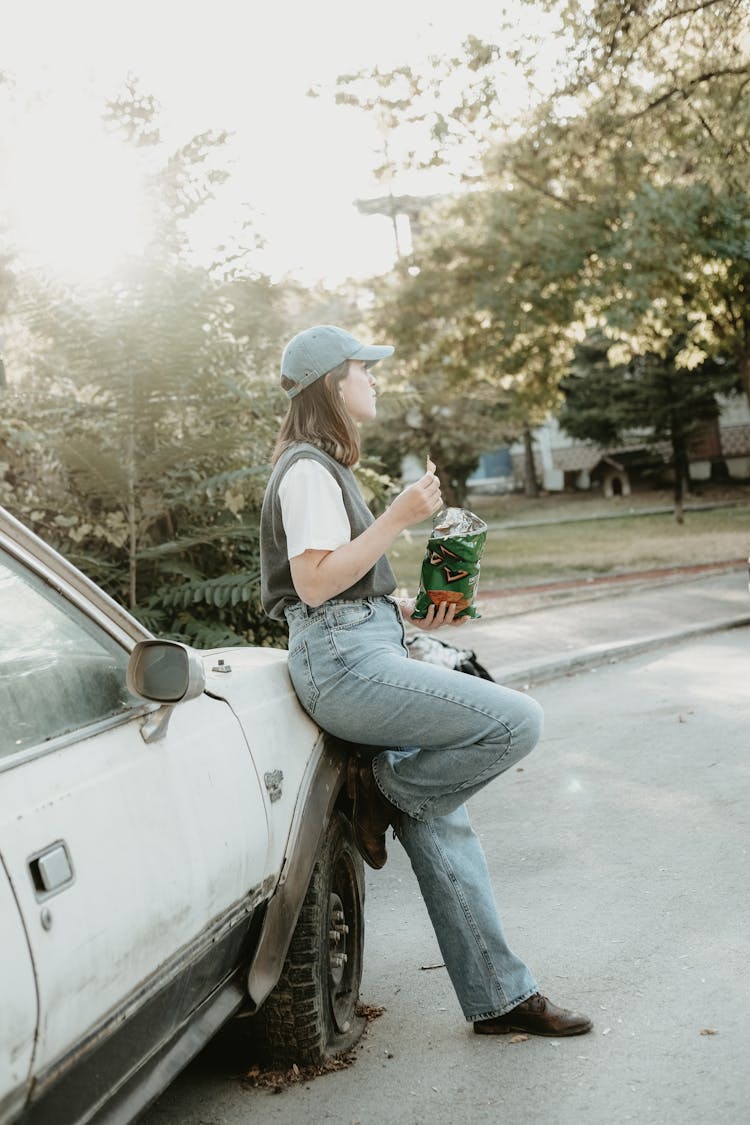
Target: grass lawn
(570,544)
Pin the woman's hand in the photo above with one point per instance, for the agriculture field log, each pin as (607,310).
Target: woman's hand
(319,575)
(418,502)
(437,616)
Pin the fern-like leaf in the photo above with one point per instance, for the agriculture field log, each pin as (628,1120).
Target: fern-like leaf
(218,592)
(246,532)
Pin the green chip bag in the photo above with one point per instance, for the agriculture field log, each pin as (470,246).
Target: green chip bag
(450,568)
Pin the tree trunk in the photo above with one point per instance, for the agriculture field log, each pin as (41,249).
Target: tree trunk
(681,470)
(132,547)
(132,510)
(462,489)
(678,508)
(530,484)
(450,493)
(394,224)
(450,496)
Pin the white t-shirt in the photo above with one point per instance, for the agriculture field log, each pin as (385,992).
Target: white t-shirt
(312,509)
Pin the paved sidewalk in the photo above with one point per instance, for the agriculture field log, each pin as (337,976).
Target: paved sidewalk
(598,626)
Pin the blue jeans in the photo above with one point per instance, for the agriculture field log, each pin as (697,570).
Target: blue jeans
(447,734)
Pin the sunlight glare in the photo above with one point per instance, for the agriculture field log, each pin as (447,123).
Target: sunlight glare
(76,197)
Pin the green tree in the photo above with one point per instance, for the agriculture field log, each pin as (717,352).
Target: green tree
(482,311)
(621,201)
(151,435)
(607,207)
(429,417)
(486,313)
(648,399)
(678,259)
(139,420)
(665,79)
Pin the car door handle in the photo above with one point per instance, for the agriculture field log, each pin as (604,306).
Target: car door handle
(51,869)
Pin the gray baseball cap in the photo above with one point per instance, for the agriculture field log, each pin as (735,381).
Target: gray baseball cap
(316,351)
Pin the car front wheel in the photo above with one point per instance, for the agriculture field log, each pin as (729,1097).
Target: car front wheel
(312,1014)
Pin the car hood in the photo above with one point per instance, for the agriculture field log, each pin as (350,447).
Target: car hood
(233,673)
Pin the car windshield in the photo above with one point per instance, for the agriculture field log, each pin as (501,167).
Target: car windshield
(59,671)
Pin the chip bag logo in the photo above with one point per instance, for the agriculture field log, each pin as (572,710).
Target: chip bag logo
(454,576)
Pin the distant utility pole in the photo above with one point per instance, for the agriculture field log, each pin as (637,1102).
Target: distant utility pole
(411,206)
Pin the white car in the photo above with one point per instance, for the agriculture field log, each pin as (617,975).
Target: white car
(174,850)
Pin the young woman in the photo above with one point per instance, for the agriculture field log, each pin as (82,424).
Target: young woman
(437,736)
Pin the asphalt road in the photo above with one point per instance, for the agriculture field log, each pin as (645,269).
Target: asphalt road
(619,855)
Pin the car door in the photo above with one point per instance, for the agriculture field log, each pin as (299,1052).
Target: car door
(18,1010)
(136,866)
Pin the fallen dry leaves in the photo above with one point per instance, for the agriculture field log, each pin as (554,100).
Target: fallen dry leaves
(277,1080)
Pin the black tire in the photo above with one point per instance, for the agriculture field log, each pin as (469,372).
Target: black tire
(311,1015)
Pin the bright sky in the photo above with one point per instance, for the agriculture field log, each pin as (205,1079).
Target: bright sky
(297,163)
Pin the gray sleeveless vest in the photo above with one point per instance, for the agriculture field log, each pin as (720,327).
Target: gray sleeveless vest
(277,588)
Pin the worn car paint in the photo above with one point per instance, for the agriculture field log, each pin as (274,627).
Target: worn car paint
(18,1011)
(134,873)
(280,735)
(162,838)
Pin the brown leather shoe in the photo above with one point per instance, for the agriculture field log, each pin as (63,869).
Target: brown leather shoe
(536,1016)
(371,812)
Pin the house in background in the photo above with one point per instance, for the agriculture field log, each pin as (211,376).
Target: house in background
(563,462)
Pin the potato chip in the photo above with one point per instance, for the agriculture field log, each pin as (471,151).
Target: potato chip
(449,597)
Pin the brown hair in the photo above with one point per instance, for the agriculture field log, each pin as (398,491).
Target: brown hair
(317,415)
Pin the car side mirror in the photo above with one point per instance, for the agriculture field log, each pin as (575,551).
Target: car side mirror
(165,672)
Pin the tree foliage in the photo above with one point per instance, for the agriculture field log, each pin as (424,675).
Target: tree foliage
(649,400)
(139,419)
(664,78)
(618,204)
(446,112)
